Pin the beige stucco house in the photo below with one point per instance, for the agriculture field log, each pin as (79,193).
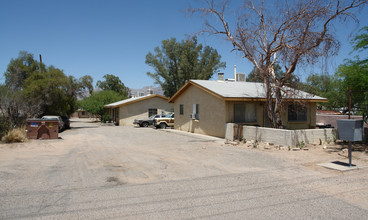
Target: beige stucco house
(205,106)
(124,112)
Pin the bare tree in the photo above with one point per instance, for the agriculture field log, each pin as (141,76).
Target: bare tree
(15,108)
(287,32)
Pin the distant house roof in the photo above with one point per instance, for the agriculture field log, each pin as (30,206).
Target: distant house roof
(241,91)
(133,100)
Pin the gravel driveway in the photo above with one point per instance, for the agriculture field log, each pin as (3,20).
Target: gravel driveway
(96,172)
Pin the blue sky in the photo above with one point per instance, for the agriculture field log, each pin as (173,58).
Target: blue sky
(113,37)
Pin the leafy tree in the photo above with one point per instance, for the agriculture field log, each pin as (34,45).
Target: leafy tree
(53,89)
(31,92)
(327,86)
(288,32)
(86,84)
(360,41)
(80,88)
(113,83)
(20,69)
(96,102)
(354,74)
(175,62)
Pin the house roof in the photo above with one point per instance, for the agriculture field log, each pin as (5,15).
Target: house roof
(242,91)
(133,100)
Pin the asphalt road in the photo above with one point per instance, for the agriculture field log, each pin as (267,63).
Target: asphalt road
(96,172)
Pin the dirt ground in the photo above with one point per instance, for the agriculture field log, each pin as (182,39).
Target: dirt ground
(311,155)
(59,178)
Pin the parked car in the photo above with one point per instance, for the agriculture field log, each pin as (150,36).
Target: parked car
(164,122)
(66,121)
(146,122)
(54,117)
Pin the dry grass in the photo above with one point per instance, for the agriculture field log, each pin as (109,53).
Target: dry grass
(15,135)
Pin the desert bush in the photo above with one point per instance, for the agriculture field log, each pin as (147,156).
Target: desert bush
(15,135)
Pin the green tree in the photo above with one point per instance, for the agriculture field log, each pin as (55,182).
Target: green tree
(360,41)
(113,83)
(327,86)
(354,74)
(13,105)
(96,102)
(20,69)
(28,91)
(80,88)
(52,89)
(175,62)
(86,84)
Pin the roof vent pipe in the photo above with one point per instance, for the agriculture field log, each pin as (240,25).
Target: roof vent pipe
(235,73)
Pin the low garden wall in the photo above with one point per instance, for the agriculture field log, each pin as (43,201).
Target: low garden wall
(280,136)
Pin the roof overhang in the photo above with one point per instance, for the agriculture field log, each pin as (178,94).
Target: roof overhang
(264,100)
(255,99)
(187,85)
(136,100)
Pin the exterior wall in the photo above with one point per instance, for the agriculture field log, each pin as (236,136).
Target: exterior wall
(263,122)
(212,113)
(136,110)
(311,119)
(282,136)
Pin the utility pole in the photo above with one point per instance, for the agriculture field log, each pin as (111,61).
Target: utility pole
(40,63)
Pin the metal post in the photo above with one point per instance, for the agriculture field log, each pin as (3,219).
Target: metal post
(349,153)
(349,101)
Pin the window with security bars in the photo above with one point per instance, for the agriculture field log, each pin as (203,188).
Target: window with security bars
(297,112)
(152,111)
(195,113)
(245,113)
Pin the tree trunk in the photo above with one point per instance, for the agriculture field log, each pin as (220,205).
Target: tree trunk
(274,100)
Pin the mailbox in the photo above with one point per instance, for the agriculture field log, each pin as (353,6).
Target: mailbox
(350,129)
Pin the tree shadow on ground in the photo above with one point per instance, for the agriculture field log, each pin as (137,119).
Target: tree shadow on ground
(339,146)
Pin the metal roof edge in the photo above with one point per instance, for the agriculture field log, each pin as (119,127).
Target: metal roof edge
(135,100)
(191,82)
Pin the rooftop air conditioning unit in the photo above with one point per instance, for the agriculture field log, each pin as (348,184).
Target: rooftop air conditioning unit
(194,116)
(240,77)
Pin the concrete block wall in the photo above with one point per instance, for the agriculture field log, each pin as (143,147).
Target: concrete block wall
(282,136)
(313,136)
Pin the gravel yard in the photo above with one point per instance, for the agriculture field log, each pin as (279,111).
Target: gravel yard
(96,172)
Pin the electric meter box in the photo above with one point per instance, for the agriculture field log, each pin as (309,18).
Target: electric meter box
(350,129)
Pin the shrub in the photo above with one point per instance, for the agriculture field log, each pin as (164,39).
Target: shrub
(4,126)
(106,118)
(15,135)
